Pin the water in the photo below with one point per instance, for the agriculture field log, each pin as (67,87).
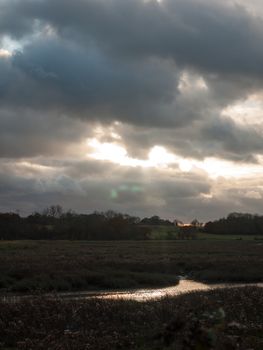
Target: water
(184,286)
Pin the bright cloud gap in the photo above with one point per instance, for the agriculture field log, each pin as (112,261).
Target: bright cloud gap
(159,157)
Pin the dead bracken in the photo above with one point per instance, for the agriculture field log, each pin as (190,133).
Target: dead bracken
(219,319)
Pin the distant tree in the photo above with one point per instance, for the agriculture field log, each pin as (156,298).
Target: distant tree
(196,223)
(155,220)
(35,217)
(54,211)
(236,223)
(9,217)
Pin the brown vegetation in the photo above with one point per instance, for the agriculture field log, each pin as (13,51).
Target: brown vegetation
(77,265)
(220,320)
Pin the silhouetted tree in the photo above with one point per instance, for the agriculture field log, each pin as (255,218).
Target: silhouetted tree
(236,223)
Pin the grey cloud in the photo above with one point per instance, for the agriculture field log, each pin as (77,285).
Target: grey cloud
(232,140)
(84,62)
(183,196)
(135,81)
(214,36)
(13,23)
(41,81)
(215,136)
(54,75)
(128,190)
(26,133)
(86,170)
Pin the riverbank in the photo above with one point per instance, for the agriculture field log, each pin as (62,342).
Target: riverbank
(218,319)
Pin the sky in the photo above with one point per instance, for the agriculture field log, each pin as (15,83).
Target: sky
(139,106)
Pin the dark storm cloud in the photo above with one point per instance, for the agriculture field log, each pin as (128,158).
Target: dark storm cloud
(106,61)
(235,140)
(52,75)
(165,70)
(218,136)
(42,87)
(216,36)
(12,22)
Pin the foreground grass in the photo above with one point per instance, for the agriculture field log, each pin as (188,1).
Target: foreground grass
(26,266)
(222,319)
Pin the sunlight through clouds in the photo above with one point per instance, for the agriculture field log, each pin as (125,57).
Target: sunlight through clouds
(5,53)
(10,45)
(190,81)
(220,168)
(246,112)
(113,153)
(157,99)
(159,157)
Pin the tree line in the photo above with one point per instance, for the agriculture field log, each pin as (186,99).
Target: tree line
(236,224)
(55,223)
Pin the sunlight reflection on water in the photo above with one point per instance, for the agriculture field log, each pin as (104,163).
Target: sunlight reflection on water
(184,286)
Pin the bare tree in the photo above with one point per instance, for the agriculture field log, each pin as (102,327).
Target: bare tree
(54,211)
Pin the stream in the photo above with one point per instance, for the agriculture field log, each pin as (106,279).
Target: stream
(184,286)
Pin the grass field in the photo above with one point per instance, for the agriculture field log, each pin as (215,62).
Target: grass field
(172,233)
(78,265)
(208,236)
(220,320)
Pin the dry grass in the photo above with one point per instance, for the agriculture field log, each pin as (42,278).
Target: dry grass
(222,319)
(66,265)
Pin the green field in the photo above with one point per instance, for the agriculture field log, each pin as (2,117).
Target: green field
(85,265)
(171,233)
(209,236)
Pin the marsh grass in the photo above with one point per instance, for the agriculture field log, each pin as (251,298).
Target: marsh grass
(85,265)
(218,319)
